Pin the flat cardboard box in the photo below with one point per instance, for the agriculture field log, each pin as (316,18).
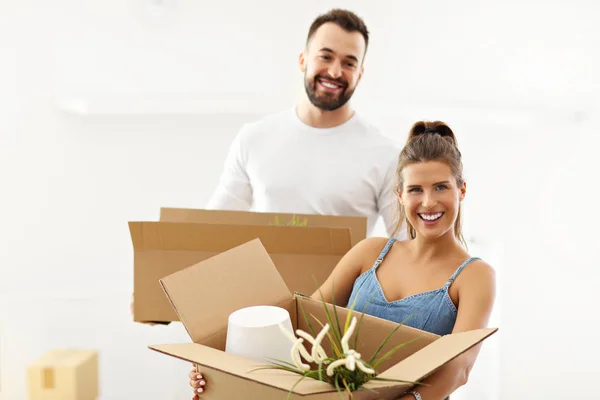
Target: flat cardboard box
(64,374)
(357,225)
(305,256)
(227,288)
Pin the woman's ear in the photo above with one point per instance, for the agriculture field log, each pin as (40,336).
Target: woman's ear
(463,191)
(399,194)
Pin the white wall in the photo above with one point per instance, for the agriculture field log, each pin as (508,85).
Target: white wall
(518,83)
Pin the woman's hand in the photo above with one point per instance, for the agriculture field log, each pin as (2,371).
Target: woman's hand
(197,382)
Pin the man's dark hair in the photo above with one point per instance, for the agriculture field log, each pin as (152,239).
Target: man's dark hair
(345,19)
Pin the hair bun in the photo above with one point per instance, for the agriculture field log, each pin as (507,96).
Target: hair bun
(432,128)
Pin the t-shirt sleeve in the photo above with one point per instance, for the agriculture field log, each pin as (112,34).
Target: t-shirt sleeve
(234,191)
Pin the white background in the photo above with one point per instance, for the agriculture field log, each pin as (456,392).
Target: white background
(112,109)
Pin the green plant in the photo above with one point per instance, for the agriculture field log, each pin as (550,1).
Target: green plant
(295,221)
(344,369)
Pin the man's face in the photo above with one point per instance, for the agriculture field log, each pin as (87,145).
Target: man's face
(332,66)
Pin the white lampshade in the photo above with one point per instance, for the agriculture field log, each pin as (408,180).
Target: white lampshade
(254,333)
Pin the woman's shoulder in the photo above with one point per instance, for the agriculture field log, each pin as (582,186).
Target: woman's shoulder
(374,244)
(477,271)
(367,250)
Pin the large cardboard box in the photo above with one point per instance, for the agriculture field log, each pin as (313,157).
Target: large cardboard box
(305,256)
(227,288)
(64,374)
(357,225)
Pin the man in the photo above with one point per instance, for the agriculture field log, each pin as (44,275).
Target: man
(318,157)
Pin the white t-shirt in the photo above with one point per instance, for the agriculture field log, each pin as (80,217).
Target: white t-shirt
(280,164)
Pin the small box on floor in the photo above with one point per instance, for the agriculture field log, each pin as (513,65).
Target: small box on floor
(64,374)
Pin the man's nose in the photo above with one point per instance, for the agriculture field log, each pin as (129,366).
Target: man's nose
(335,70)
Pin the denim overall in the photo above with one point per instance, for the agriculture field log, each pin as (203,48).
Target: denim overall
(433,311)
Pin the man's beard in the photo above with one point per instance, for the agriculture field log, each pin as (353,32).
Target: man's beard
(324,101)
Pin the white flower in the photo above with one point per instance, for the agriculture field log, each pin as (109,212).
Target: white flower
(296,356)
(318,353)
(352,359)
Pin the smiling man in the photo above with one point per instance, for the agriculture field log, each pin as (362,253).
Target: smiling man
(318,157)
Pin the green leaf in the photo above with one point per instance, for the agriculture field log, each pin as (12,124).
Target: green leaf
(310,327)
(278,367)
(294,386)
(335,347)
(280,362)
(338,388)
(337,320)
(350,312)
(346,385)
(332,324)
(382,345)
(361,318)
(392,351)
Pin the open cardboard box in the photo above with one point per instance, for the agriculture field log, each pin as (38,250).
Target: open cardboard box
(205,294)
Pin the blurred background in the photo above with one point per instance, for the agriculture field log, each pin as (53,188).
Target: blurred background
(112,109)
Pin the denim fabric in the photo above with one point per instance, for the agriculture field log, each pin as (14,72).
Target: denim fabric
(432,311)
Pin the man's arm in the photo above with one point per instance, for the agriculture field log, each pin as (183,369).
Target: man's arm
(234,191)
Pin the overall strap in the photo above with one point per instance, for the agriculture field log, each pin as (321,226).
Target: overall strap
(459,270)
(385,250)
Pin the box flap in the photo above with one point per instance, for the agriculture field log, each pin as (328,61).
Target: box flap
(356,224)
(427,360)
(242,367)
(205,294)
(220,237)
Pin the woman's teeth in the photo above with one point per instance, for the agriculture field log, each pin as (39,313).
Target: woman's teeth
(431,217)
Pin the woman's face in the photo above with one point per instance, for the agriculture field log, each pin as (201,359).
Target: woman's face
(431,197)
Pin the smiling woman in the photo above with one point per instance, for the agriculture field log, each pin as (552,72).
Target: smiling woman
(430,281)
(430,184)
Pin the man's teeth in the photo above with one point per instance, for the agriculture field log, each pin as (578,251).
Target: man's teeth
(431,217)
(329,85)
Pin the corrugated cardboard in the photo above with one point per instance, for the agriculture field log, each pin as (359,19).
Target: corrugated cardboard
(227,288)
(305,256)
(357,225)
(64,374)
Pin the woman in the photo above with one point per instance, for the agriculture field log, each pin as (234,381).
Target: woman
(431,275)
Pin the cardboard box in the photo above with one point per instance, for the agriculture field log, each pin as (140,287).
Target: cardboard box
(227,288)
(64,374)
(305,256)
(357,225)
